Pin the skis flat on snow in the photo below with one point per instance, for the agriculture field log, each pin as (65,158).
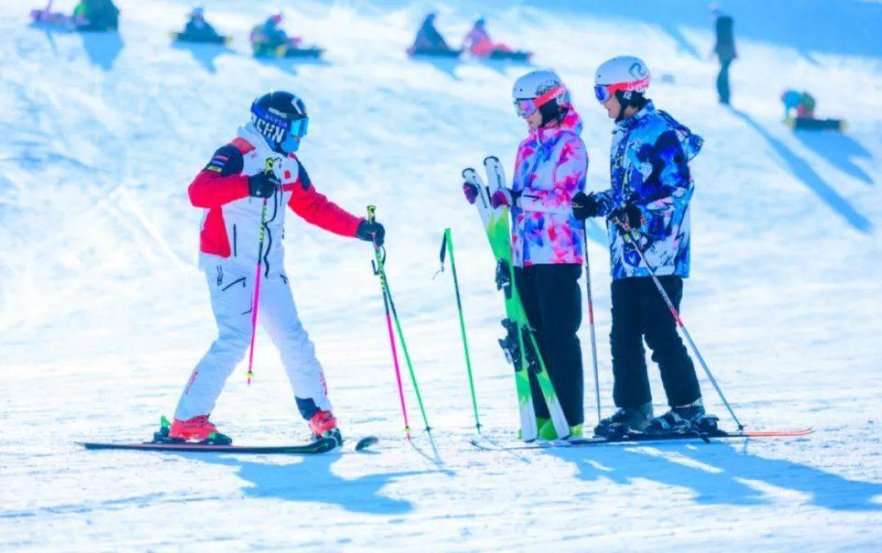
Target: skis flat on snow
(640,438)
(519,344)
(321,445)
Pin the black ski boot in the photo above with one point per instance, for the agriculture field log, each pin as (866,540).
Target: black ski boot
(624,420)
(683,419)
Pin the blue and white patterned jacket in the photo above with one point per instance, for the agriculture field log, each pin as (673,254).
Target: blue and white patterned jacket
(649,168)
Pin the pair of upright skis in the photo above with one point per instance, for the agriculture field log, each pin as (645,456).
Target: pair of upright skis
(520,345)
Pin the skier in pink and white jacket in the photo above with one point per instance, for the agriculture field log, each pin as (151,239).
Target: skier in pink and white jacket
(547,241)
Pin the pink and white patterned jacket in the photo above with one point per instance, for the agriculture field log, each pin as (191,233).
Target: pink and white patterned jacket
(551,166)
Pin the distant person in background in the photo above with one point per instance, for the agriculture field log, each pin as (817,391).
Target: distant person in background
(428,37)
(269,37)
(97,15)
(724,49)
(806,106)
(802,102)
(199,29)
(478,42)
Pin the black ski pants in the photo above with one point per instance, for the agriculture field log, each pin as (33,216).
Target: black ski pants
(553,304)
(639,313)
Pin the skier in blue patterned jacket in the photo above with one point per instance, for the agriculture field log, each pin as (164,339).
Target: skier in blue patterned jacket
(648,200)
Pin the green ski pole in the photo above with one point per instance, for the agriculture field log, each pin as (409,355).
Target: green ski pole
(447,246)
(381,270)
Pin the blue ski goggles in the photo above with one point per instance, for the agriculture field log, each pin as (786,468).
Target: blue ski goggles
(298,127)
(279,130)
(296,131)
(602,93)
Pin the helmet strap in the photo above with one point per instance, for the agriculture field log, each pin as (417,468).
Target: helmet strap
(629,99)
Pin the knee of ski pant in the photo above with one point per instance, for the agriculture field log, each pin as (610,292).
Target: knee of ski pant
(663,339)
(231,344)
(625,343)
(672,353)
(294,340)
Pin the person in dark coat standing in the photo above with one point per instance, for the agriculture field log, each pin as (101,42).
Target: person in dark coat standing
(725,51)
(428,38)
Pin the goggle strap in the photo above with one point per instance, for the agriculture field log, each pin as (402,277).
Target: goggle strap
(625,87)
(545,98)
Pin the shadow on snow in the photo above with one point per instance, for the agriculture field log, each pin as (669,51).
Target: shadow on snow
(311,480)
(204,54)
(803,171)
(840,150)
(720,474)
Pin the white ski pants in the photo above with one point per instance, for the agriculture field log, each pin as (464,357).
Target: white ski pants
(231,290)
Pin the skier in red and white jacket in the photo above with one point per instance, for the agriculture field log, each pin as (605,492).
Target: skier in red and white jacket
(259,168)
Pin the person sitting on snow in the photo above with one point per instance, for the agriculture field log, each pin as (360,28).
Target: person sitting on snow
(428,37)
(802,102)
(199,29)
(96,15)
(478,42)
(270,38)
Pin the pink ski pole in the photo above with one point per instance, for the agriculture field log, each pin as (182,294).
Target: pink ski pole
(269,166)
(380,272)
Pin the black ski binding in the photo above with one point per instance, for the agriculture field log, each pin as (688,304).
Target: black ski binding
(503,278)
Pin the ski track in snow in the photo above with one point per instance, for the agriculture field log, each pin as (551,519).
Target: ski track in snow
(103,312)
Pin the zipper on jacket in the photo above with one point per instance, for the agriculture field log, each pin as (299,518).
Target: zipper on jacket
(234,242)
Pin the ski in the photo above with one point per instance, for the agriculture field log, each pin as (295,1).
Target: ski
(519,344)
(647,439)
(496,182)
(496,227)
(322,445)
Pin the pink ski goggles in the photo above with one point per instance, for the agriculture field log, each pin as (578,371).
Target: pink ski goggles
(526,107)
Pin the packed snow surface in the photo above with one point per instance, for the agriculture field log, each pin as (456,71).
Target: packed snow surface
(103,312)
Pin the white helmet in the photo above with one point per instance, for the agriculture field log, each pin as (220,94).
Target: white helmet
(537,88)
(624,73)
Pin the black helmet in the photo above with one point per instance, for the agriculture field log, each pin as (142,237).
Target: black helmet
(281,118)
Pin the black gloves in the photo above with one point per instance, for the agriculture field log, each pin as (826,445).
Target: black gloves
(263,185)
(371,232)
(628,217)
(585,206)
(470,191)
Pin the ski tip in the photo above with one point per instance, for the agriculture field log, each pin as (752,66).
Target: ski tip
(467,170)
(491,158)
(366,442)
(778,433)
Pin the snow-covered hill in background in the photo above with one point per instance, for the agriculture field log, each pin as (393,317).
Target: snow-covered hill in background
(103,312)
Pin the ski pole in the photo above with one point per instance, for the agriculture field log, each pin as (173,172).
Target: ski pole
(413,380)
(269,168)
(591,323)
(676,315)
(447,245)
(378,270)
(381,267)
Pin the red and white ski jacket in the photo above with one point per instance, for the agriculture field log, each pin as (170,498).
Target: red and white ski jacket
(231,222)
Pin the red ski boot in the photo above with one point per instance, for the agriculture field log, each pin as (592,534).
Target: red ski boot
(324,425)
(197,429)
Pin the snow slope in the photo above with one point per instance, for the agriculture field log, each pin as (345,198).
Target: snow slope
(103,312)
